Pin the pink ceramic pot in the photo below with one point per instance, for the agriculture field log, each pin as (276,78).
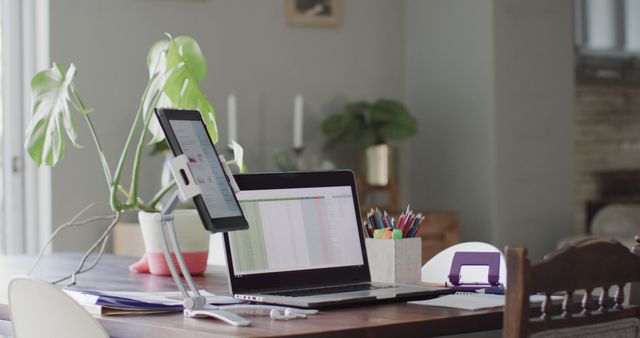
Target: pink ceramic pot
(192,238)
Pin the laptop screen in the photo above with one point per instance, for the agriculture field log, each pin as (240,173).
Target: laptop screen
(296,229)
(304,230)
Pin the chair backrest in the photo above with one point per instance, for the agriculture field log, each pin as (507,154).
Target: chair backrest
(39,309)
(583,266)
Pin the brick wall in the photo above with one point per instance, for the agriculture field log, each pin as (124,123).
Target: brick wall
(607,136)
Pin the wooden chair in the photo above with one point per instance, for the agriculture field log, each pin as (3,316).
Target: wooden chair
(583,266)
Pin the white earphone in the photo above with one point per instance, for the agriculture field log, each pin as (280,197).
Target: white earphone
(288,314)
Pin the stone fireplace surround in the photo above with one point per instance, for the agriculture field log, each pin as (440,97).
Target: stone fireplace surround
(607,149)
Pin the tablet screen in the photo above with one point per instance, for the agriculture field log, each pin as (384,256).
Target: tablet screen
(206,169)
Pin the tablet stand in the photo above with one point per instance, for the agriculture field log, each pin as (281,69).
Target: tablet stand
(194,303)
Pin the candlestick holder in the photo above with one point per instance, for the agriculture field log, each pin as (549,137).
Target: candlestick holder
(299,158)
(294,160)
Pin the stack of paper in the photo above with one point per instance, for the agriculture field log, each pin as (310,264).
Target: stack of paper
(465,301)
(473,301)
(106,303)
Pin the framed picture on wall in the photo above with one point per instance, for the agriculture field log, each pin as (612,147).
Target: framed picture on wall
(313,12)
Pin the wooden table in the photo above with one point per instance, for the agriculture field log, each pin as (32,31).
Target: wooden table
(388,320)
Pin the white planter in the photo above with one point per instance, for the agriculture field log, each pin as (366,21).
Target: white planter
(217,255)
(378,165)
(193,240)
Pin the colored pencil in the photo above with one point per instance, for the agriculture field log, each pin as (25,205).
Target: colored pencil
(418,224)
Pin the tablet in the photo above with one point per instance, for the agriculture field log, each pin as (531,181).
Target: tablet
(217,205)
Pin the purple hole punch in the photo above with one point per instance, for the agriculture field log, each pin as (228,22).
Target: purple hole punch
(468,258)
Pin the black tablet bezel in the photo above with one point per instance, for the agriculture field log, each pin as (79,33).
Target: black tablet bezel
(308,278)
(211,224)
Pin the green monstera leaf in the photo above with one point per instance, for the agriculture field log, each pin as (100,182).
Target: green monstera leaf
(53,94)
(188,67)
(154,96)
(176,67)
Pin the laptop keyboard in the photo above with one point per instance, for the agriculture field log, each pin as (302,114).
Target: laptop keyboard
(328,290)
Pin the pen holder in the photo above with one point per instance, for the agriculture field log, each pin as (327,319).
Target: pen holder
(394,260)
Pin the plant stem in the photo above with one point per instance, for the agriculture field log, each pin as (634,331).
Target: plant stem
(94,135)
(97,260)
(115,202)
(72,223)
(126,194)
(135,174)
(154,201)
(103,159)
(95,245)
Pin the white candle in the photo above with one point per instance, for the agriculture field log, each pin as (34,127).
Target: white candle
(298,112)
(232,118)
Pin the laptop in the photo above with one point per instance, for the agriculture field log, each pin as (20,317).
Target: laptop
(305,244)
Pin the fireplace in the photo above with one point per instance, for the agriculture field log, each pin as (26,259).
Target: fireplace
(613,187)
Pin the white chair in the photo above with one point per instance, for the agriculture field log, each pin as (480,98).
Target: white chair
(39,309)
(436,270)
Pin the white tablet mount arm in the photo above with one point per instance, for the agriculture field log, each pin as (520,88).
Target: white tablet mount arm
(194,302)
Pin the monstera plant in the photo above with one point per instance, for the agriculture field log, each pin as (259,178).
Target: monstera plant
(176,68)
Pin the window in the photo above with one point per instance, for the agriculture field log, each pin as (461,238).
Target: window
(24,50)
(607,40)
(607,27)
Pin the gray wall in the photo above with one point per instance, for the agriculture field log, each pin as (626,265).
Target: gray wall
(251,51)
(449,76)
(492,82)
(535,92)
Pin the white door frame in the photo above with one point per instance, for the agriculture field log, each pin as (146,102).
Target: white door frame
(27,194)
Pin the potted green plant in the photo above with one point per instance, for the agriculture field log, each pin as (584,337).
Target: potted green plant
(370,127)
(176,67)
